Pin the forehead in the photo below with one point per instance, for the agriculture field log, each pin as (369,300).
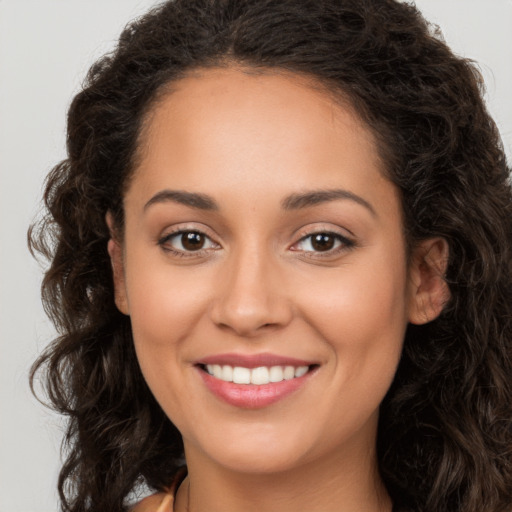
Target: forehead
(229,129)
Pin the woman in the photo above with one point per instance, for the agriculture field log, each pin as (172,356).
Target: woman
(280,257)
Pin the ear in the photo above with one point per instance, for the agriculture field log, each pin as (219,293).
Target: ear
(428,289)
(115,252)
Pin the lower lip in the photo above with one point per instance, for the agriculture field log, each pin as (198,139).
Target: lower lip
(251,396)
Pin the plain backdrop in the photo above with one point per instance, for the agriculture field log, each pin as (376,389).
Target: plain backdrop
(46,47)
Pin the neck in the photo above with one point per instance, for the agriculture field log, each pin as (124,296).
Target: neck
(353,485)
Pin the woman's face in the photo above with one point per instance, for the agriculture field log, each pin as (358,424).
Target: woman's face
(263,244)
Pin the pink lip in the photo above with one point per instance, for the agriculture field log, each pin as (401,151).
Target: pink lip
(251,396)
(254,360)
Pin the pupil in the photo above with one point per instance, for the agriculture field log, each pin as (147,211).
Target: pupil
(192,241)
(322,242)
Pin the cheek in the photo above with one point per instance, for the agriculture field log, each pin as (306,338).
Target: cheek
(360,297)
(165,310)
(165,303)
(363,325)
(165,306)
(361,315)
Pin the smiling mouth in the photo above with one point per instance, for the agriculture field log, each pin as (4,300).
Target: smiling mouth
(259,376)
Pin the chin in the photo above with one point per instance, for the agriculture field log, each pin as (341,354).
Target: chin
(253,449)
(256,461)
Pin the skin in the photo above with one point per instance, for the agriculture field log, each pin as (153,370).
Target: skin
(249,141)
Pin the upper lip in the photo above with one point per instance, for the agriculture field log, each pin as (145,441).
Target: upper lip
(253,360)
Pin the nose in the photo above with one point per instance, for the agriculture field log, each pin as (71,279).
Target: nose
(251,296)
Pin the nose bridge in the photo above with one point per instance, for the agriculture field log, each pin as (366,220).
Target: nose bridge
(251,295)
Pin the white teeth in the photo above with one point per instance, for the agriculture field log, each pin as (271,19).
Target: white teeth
(217,371)
(241,375)
(289,372)
(258,376)
(227,373)
(276,374)
(301,370)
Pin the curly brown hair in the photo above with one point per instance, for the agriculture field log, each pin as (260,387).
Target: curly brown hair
(445,431)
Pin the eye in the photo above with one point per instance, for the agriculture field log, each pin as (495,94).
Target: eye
(323,242)
(190,241)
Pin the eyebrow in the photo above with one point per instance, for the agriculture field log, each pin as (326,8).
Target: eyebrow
(315,197)
(292,202)
(192,199)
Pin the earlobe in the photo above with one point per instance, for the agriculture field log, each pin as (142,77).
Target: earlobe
(115,252)
(429,291)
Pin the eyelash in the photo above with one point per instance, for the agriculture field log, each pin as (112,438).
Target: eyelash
(344,244)
(164,241)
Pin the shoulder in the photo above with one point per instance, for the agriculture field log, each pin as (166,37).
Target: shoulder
(160,502)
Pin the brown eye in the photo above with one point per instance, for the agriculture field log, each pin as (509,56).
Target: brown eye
(186,242)
(192,241)
(322,242)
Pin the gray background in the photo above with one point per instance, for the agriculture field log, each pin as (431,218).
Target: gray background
(46,47)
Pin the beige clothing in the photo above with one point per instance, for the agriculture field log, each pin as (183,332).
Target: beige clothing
(162,501)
